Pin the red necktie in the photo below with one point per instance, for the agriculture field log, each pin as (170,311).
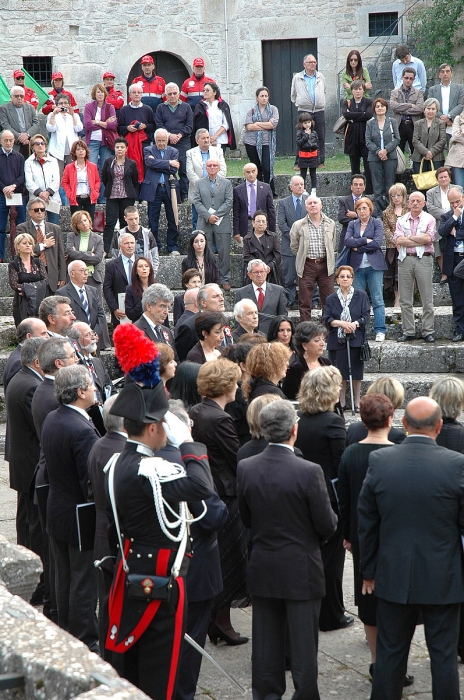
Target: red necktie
(260,298)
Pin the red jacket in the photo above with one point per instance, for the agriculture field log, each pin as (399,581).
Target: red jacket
(69,182)
(192,89)
(153,90)
(49,106)
(115,98)
(31,97)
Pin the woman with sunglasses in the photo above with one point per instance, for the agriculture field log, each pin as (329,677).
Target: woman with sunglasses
(42,174)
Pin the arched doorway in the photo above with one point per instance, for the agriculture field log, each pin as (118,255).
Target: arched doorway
(167,65)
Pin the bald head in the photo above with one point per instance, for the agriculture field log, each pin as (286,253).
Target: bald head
(190,299)
(422,416)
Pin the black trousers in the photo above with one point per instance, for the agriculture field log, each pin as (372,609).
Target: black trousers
(333,558)
(319,120)
(83,204)
(198,615)
(114,211)
(406,133)
(395,628)
(272,619)
(456,287)
(264,165)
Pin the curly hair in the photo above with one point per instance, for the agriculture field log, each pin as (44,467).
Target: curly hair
(265,360)
(305,332)
(217,378)
(320,389)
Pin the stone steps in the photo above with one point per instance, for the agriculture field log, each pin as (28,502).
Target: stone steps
(416,356)
(415,384)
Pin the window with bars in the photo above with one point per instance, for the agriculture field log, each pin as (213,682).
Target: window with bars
(40,68)
(383,23)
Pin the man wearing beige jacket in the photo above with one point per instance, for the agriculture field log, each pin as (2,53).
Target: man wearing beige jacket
(308,95)
(312,242)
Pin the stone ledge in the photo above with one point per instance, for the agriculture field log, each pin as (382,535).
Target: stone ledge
(19,569)
(436,358)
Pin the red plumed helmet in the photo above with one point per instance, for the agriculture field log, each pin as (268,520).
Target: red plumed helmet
(132,347)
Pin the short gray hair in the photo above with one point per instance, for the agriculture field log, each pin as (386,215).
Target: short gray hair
(68,381)
(158,132)
(125,234)
(29,350)
(48,306)
(34,200)
(51,350)
(448,392)
(432,101)
(17,87)
(254,263)
(276,420)
(198,133)
(112,423)
(72,264)
(172,85)
(239,308)
(156,292)
(203,292)
(25,327)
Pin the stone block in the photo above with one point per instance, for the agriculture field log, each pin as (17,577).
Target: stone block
(416,356)
(19,569)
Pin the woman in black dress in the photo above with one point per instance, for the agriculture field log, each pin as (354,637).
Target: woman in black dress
(209,327)
(346,313)
(322,438)
(357,112)
(309,341)
(142,276)
(26,270)
(199,255)
(267,365)
(217,383)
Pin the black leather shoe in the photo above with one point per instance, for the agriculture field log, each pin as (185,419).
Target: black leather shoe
(408,680)
(405,338)
(429,338)
(458,337)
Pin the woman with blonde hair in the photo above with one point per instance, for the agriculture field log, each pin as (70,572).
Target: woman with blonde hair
(258,442)
(267,365)
(27,276)
(322,438)
(217,384)
(397,207)
(392,389)
(448,392)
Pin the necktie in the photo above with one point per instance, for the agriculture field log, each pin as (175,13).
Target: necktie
(252,205)
(161,178)
(84,304)
(260,298)
(159,333)
(298,209)
(40,239)
(129,270)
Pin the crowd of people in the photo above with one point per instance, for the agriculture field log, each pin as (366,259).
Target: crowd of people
(204,437)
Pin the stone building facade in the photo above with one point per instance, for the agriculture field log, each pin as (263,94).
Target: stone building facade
(85,38)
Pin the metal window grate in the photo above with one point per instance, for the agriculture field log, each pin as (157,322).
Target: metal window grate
(383,23)
(40,68)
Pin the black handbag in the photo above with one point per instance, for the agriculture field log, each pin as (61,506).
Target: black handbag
(366,352)
(148,587)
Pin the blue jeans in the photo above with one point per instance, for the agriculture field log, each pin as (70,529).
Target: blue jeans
(4,214)
(373,279)
(53,218)
(458,176)
(194,218)
(98,154)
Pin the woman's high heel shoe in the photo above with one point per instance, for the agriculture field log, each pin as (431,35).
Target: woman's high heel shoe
(214,633)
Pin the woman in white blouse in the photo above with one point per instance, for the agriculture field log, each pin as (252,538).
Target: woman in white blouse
(438,204)
(64,125)
(42,174)
(213,113)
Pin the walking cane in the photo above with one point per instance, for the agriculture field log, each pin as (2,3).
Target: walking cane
(175,208)
(350,374)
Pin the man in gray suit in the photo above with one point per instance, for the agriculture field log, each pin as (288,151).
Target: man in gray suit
(49,243)
(213,197)
(21,118)
(449,95)
(269,298)
(290,210)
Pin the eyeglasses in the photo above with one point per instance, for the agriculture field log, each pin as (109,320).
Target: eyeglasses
(39,143)
(38,209)
(20,77)
(408,77)
(21,97)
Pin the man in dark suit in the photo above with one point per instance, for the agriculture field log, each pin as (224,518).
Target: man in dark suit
(156,302)
(210,298)
(283,499)
(68,435)
(85,300)
(449,95)
(290,210)
(161,161)
(346,212)
(11,183)
(86,338)
(118,276)
(190,307)
(452,231)
(24,448)
(53,354)
(111,443)
(29,328)
(49,243)
(411,521)
(248,197)
(269,298)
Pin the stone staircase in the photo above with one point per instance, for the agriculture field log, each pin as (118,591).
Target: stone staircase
(415,364)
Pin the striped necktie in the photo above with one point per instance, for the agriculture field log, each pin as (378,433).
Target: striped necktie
(84,304)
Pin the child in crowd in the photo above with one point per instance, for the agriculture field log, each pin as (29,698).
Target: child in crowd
(308,148)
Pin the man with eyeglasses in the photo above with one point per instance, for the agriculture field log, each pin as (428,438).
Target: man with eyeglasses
(49,243)
(407,103)
(269,298)
(29,95)
(177,118)
(11,182)
(308,95)
(21,118)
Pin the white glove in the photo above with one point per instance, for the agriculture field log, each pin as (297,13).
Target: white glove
(176,430)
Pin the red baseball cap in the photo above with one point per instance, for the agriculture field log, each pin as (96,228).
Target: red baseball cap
(198,62)
(108,74)
(147,59)
(18,74)
(57,76)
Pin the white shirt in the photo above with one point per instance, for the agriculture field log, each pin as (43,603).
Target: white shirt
(445,98)
(255,289)
(78,290)
(79,410)
(217,119)
(97,134)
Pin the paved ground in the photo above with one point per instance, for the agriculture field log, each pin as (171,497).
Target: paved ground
(343,655)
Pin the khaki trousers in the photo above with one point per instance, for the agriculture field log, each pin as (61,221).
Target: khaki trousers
(419,269)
